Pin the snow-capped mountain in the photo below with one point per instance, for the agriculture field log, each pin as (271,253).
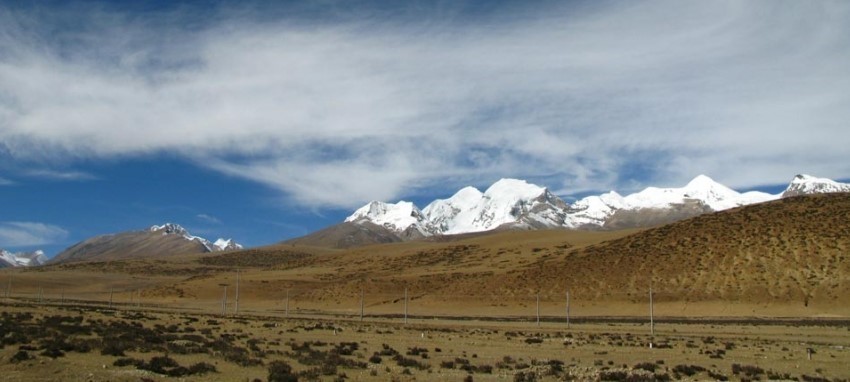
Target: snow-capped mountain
(226,245)
(806,184)
(401,217)
(175,229)
(22,259)
(516,203)
(701,193)
(508,201)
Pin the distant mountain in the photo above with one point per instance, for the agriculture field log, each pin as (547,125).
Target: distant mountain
(21,259)
(517,204)
(159,240)
(402,218)
(654,206)
(807,184)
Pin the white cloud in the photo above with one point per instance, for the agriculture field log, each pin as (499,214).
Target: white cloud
(208,218)
(23,234)
(60,175)
(6,182)
(337,113)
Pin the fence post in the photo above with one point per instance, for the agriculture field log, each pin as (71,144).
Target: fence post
(224,302)
(405,305)
(651,313)
(236,302)
(538,309)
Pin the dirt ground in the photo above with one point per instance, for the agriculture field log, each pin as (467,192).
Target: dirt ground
(65,342)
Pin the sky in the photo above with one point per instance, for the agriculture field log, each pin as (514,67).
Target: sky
(264,121)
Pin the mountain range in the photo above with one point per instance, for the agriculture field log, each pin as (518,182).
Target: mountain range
(21,259)
(508,204)
(517,204)
(159,240)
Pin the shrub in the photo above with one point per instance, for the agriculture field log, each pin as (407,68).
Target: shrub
(52,353)
(648,366)
(375,358)
(113,347)
(688,370)
(201,368)
(280,371)
(617,375)
(525,377)
(127,362)
(20,356)
(409,362)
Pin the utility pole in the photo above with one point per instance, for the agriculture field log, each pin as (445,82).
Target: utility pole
(651,313)
(405,305)
(538,309)
(9,288)
(139,298)
(568,308)
(236,303)
(224,301)
(111,293)
(287,303)
(361,305)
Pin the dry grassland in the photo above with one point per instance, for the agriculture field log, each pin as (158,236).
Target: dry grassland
(80,343)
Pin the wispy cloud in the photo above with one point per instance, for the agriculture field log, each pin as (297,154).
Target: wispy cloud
(22,234)
(208,219)
(335,113)
(60,175)
(6,182)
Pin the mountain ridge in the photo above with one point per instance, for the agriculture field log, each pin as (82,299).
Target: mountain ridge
(157,241)
(517,204)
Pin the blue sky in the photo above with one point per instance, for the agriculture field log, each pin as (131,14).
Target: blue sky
(266,120)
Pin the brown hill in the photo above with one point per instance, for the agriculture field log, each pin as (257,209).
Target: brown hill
(791,250)
(347,235)
(128,245)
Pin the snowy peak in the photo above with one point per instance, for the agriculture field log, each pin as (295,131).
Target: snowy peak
(169,228)
(22,259)
(397,217)
(702,189)
(516,203)
(806,184)
(506,202)
(176,229)
(226,245)
(513,189)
